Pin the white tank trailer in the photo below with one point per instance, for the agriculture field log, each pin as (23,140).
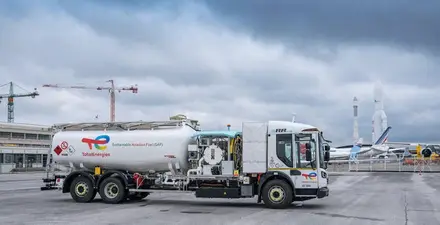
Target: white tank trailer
(129,160)
(137,150)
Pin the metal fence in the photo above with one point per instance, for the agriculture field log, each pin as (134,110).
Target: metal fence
(405,164)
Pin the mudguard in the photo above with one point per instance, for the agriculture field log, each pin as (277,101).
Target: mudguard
(109,173)
(73,175)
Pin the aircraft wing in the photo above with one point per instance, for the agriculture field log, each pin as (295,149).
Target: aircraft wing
(411,143)
(406,143)
(380,148)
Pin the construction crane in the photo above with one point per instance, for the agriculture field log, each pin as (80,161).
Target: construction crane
(111,90)
(11,97)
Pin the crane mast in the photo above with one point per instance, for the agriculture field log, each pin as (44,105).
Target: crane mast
(111,90)
(11,95)
(112,101)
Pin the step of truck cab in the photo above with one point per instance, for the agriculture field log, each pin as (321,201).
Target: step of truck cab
(218,192)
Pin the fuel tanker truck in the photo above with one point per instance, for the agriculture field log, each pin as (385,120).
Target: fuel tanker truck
(277,162)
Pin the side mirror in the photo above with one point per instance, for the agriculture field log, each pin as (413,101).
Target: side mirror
(327,148)
(327,156)
(308,154)
(308,146)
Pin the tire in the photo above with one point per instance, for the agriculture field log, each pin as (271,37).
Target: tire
(82,190)
(138,196)
(112,190)
(277,194)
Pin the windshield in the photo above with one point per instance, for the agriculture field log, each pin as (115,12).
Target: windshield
(317,149)
(301,141)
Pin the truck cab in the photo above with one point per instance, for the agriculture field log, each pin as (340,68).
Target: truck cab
(297,157)
(298,150)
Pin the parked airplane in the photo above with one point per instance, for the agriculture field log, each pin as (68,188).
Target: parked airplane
(379,146)
(412,147)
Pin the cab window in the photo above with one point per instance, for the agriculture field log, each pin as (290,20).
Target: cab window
(300,142)
(284,149)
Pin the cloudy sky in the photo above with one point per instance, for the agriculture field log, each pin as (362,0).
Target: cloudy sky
(227,61)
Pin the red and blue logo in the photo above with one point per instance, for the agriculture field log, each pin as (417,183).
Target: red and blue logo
(99,142)
(310,176)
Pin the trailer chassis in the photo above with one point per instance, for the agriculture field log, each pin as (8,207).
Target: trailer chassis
(118,186)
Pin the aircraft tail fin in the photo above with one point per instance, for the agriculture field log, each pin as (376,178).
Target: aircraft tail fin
(383,138)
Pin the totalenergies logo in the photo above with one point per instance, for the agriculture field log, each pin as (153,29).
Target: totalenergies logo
(99,142)
(310,176)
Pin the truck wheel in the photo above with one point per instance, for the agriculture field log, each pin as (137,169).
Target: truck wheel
(277,194)
(112,190)
(138,195)
(82,189)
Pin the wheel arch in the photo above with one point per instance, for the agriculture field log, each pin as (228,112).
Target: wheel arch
(68,181)
(272,176)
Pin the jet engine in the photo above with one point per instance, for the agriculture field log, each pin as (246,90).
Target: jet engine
(426,152)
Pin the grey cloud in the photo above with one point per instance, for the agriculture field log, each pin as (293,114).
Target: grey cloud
(176,74)
(221,73)
(399,67)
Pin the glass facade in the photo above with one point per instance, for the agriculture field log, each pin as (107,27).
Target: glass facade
(13,143)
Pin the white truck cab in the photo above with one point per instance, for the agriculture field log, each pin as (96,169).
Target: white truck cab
(296,152)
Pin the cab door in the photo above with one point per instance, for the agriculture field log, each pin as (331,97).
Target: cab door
(308,177)
(281,154)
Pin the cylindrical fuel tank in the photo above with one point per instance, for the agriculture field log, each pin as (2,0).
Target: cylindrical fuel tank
(136,151)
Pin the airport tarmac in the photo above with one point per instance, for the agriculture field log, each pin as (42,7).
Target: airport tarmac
(383,166)
(20,181)
(355,198)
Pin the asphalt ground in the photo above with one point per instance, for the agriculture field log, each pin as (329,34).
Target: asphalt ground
(384,166)
(355,198)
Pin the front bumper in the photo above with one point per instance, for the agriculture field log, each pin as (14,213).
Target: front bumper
(323,192)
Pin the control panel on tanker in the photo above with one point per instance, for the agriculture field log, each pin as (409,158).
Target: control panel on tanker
(212,156)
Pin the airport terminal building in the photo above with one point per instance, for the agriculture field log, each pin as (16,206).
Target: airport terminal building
(23,145)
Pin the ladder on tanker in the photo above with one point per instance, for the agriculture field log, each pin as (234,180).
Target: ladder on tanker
(123,126)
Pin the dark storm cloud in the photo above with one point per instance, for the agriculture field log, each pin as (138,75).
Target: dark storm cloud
(409,24)
(312,26)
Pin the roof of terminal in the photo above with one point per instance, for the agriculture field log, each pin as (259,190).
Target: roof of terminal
(24,126)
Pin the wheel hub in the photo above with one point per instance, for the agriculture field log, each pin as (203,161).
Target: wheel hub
(111,190)
(81,189)
(276,194)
